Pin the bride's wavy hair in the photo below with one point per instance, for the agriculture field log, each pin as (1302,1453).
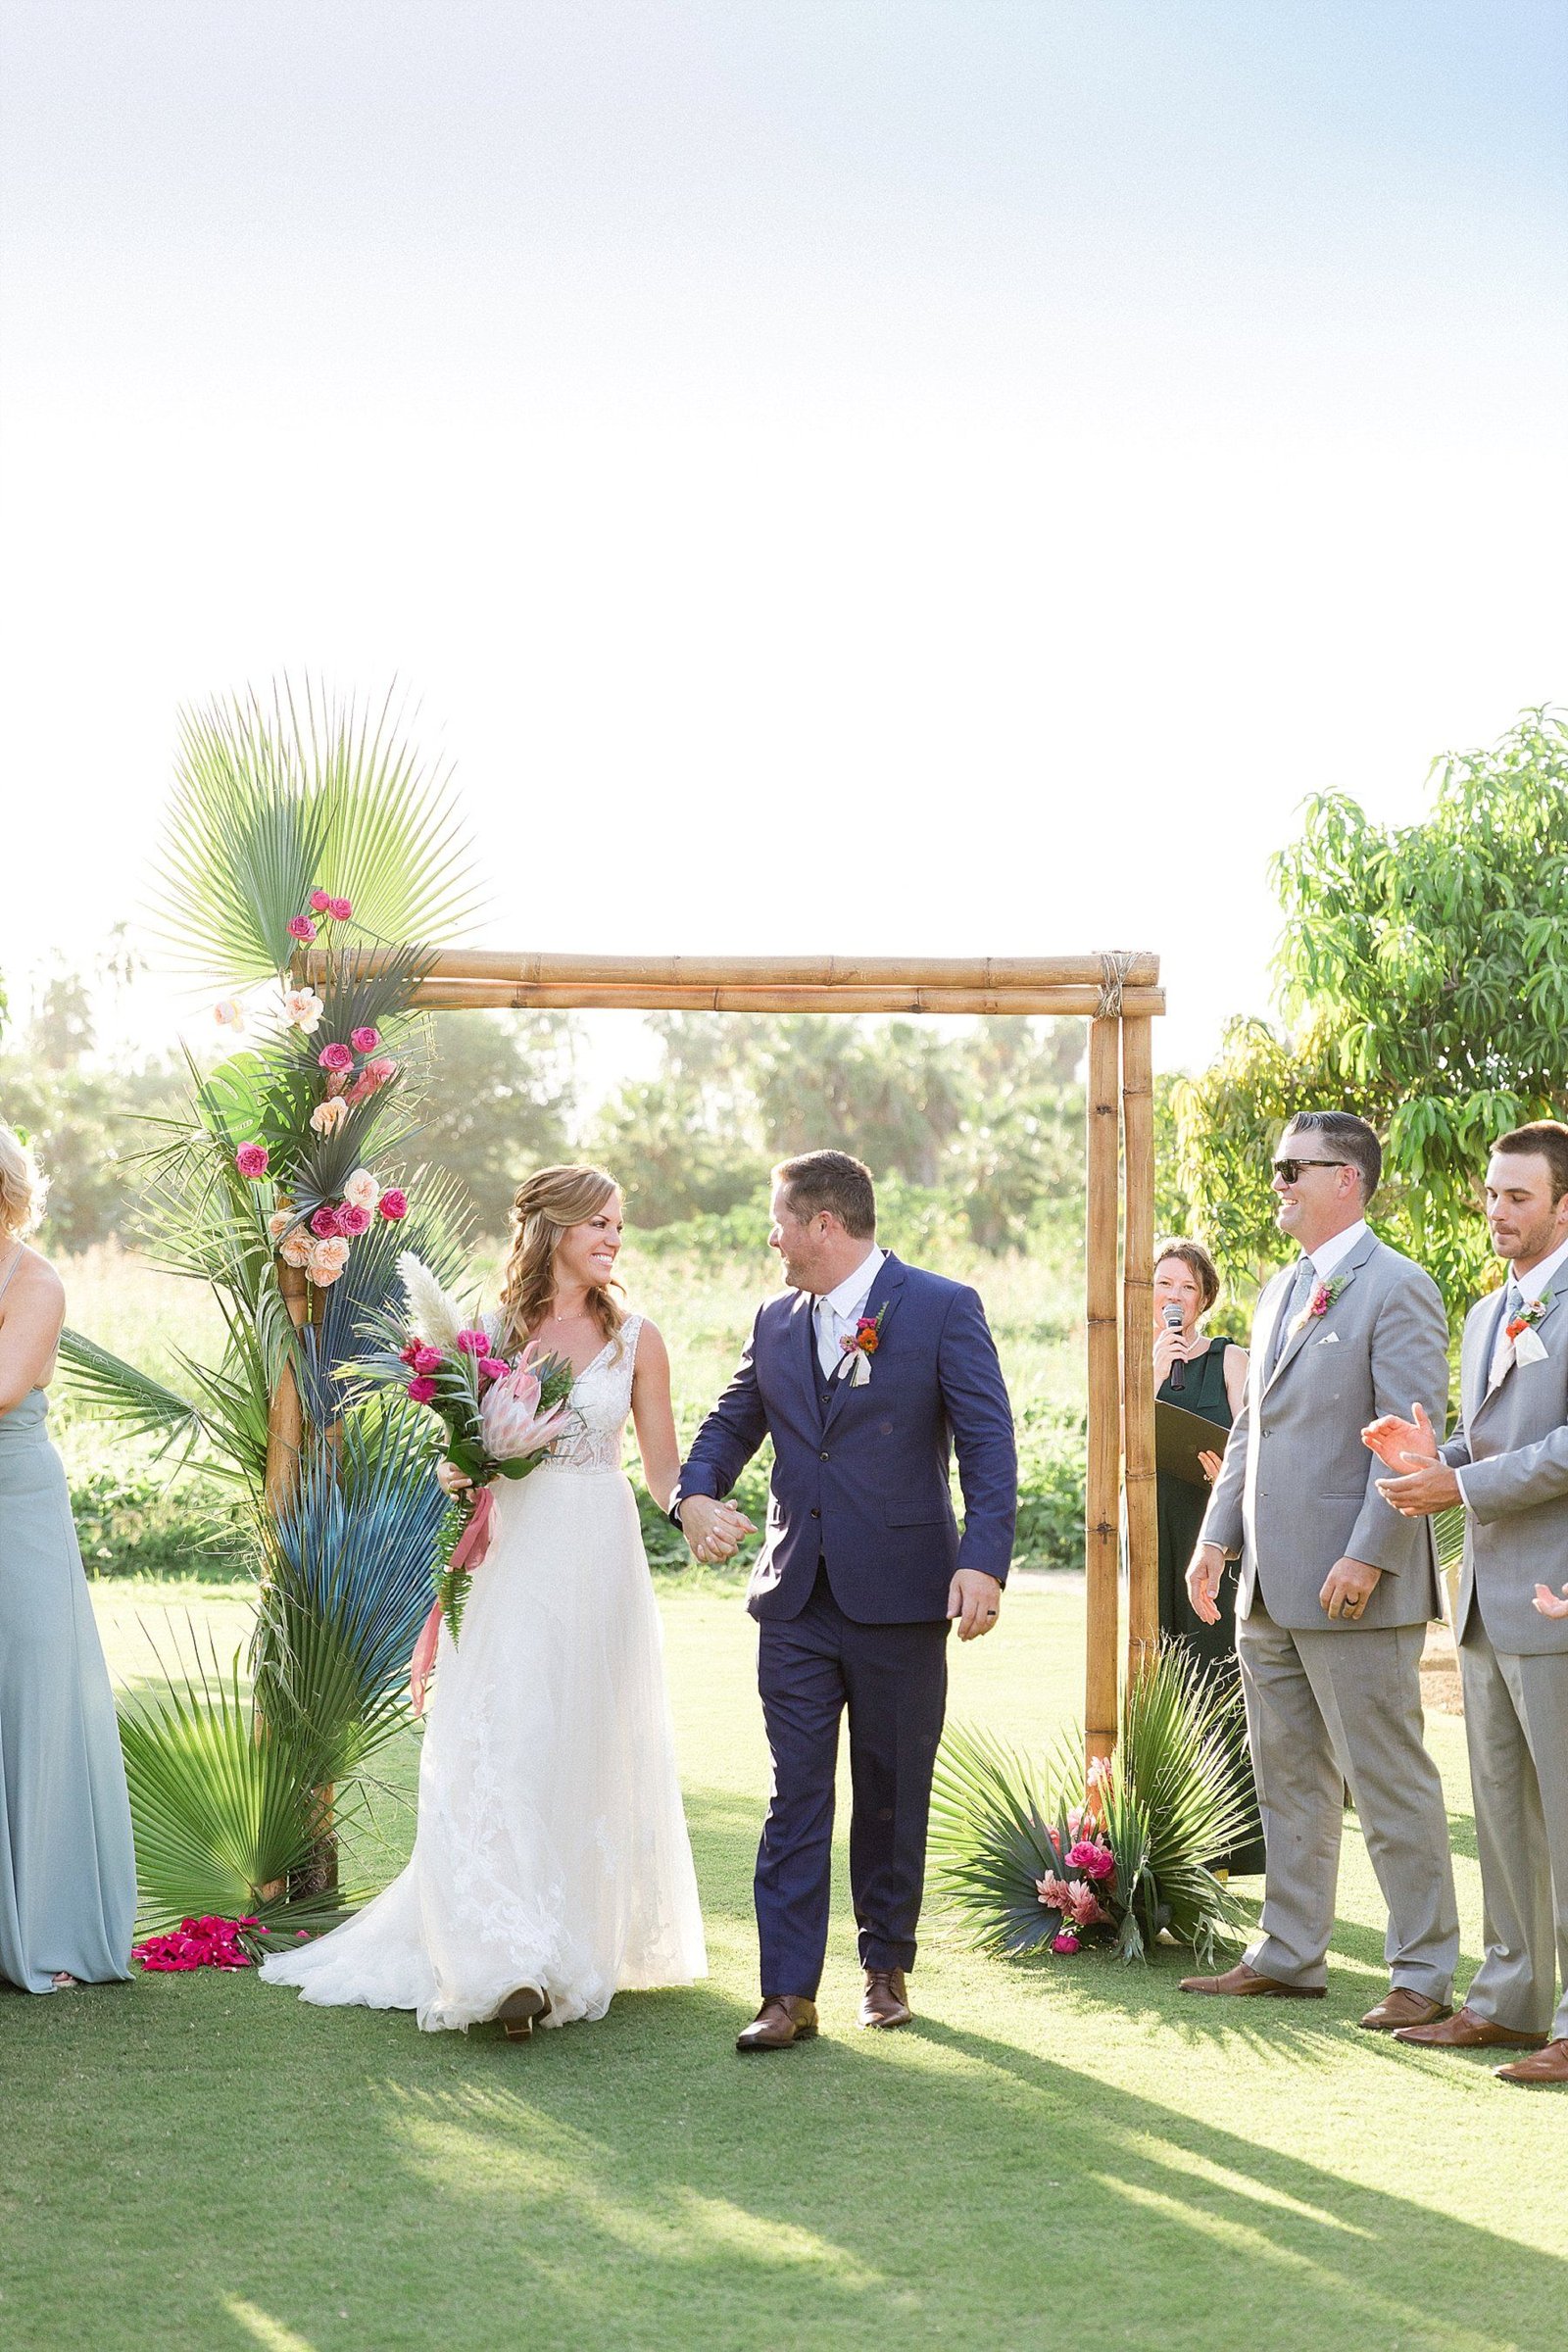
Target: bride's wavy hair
(547,1205)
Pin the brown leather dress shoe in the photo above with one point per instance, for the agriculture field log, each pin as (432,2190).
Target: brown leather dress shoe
(1242,1982)
(1549,2065)
(784,2019)
(885,2001)
(1399,2006)
(1465,2030)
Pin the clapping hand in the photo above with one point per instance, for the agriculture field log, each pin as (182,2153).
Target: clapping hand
(712,1529)
(1426,1483)
(1397,1443)
(1549,1604)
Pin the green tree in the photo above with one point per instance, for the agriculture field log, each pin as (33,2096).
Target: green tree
(1423,971)
(500,1092)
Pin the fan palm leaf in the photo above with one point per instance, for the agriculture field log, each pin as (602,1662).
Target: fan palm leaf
(274,800)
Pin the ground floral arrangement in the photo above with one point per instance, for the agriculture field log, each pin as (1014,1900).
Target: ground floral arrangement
(1053,1856)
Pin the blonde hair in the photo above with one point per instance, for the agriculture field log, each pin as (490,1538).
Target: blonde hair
(21,1188)
(547,1205)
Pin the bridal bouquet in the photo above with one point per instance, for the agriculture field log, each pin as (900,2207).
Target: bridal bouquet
(499,1419)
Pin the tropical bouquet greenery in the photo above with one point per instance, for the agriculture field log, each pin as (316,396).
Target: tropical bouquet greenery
(311,867)
(1037,1857)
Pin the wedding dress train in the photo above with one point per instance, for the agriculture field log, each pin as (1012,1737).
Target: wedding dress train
(551,1848)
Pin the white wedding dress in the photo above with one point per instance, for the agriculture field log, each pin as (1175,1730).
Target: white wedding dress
(551,1847)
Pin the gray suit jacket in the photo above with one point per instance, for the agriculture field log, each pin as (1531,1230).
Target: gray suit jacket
(1513,1449)
(1299,1488)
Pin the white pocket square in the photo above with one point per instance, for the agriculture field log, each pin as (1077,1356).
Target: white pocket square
(1330,1339)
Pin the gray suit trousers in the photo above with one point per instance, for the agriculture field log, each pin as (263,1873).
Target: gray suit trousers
(1516,1722)
(1323,1709)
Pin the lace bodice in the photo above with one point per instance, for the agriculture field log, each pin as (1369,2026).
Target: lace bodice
(601,1401)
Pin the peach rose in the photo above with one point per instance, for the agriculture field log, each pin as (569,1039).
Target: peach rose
(362,1189)
(329,1114)
(296,1250)
(326,1262)
(304,1008)
(277,1224)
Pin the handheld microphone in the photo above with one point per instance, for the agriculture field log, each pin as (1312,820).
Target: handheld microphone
(1177,1375)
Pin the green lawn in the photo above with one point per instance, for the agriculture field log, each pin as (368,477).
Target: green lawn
(1059,2153)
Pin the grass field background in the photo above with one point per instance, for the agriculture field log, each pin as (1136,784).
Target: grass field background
(1057,2152)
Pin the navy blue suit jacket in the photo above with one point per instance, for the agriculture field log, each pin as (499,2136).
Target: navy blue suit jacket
(863,1486)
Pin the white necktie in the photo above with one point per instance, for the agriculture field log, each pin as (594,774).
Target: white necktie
(827,1335)
(1502,1348)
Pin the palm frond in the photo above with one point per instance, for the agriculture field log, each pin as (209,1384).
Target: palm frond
(224,1807)
(992,1839)
(105,1385)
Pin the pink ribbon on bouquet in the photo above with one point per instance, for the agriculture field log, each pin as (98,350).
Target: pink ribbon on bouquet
(466,1553)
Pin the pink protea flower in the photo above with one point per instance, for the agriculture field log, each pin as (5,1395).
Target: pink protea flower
(336,1057)
(321,901)
(339,909)
(1064,1942)
(251,1161)
(475,1343)
(509,1416)
(330,1115)
(352,1220)
(394,1202)
(301,928)
(364,1041)
(362,1189)
(422,1388)
(1094,1860)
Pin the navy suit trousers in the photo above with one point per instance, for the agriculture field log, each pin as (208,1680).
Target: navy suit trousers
(893,1679)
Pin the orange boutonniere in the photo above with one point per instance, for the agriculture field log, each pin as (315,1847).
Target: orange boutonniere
(858,1346)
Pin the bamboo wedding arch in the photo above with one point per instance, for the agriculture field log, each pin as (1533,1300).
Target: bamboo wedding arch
(1118,993)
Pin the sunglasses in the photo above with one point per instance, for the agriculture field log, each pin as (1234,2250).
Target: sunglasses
(1288,1170)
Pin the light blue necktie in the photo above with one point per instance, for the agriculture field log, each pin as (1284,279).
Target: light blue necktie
(1300,1293)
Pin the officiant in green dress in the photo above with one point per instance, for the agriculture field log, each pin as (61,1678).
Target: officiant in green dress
(1207,1377)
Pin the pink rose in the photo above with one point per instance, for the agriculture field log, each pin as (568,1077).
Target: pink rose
(493,1367)
(324,1223)
(335,1057)
(1094,1860)
(251,1161)
(422,1388)
(352,1220)
(409,1354)
(321,903)
(393,1203)
(429,1359)
(1066,1941)
(300,926)
(339,909)
(472,1343)
(364,1041)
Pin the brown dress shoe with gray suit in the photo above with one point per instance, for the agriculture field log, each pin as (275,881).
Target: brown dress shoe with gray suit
(1402,2007)
(1465,2030)
(1549,2065)
(885,2000)
(1243,1983)
(783,2020)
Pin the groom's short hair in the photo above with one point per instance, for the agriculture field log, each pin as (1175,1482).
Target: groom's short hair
(815,1181)
(1350,1137)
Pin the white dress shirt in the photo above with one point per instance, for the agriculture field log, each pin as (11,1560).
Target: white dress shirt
(1335,1250)
(838,1311)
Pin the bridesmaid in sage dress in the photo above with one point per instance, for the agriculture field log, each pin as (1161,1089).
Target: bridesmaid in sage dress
(1213,1381)
(68,1867)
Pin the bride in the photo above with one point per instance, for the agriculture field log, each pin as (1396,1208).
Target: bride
(550,1865)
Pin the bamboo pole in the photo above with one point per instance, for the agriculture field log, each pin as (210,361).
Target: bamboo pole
(1002,975)
(1101,1488)
(479,996)
(285,1418)
(1138,1368)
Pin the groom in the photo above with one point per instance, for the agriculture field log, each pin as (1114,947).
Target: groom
(860,1374)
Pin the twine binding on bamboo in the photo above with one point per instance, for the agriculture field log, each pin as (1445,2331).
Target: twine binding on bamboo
(1115,965)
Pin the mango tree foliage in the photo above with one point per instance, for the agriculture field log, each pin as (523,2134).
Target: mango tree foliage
(1423,973)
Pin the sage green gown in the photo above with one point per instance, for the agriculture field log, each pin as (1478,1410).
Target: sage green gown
(67,1865)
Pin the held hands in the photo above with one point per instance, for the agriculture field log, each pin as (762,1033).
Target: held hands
(712,1530)
(1203,1572)
(975,1599)
(1549,1604)
(1410,1447)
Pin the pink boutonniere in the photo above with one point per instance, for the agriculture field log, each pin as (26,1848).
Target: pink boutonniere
(1321,1301)
(858,1346)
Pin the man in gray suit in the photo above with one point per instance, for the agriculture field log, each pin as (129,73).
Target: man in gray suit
(1335,1587)
(1508,1462)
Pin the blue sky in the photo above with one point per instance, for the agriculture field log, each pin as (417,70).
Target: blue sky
(888,477)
